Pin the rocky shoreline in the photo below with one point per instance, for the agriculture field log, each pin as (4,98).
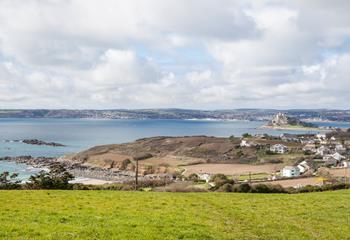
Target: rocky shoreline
(36,142)
(78,170)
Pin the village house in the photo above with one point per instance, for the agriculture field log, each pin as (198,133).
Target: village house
(333,140)
(322,151)
(345,164)
(290,171)
(279,148)
(338,156)
(303,167)
(307,141)
(246,143)
(204,176)
(286,137)
(310,147)
(332,160)
(340,148)
(321,138)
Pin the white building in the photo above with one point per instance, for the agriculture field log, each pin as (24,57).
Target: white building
(303,167)
(340,148)
(204,176)
(310,148)
(321,136)
(346,164)
(245,143)
(338,156)
(290,171)
(278,148)
(323,150)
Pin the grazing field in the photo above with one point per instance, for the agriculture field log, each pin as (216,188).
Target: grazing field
(150,215)
(232,169)
(297,181)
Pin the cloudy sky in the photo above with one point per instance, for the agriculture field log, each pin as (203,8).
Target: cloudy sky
(203,54)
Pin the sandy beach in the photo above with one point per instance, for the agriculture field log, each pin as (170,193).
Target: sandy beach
(90,181)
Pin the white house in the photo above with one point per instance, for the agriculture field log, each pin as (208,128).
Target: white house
(310,148)
(279,148)
(323,151)
(338,156)
(303,167)
(321,136)
(286,137)
(245,143)
(346,164)
(204,176)
(290,171)
(340,148)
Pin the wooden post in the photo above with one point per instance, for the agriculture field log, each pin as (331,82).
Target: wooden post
(136,174)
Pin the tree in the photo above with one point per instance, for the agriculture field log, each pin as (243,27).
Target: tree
(193,177)
(246,135)
(57,178)
(220,179)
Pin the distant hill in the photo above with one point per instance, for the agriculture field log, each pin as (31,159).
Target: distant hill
(174,113)
(161,154)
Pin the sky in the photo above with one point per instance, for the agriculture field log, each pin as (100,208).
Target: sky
(198,54)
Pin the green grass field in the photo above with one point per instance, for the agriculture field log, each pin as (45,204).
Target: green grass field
(151,215)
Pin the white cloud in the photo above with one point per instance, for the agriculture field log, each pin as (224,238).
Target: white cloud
(193,54)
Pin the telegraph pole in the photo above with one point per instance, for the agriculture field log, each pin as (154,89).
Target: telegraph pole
(136,173)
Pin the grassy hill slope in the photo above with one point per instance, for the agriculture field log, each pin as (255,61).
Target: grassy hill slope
(142,215)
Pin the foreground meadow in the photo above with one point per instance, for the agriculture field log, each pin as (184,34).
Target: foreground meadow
(151,215)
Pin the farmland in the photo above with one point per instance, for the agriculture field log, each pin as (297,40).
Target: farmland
(151,215)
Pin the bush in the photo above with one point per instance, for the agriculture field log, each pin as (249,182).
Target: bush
(232,138)
(125,164)
(193,177)
(142,156)
(267,188)
(57,178)
(246,135)
(126,186)
(243,188)
(269,152)
(219,180)
(9,181)
(227,187)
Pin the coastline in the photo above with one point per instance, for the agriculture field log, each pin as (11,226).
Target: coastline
(83,173)
(291,128)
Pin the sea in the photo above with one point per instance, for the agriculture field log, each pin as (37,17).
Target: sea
(80,134)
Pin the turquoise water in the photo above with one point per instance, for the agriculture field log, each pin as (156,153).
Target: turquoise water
(79,134)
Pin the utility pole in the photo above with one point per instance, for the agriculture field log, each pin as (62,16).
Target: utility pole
(136,173)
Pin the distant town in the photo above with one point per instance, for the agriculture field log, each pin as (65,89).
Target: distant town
(172,113)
